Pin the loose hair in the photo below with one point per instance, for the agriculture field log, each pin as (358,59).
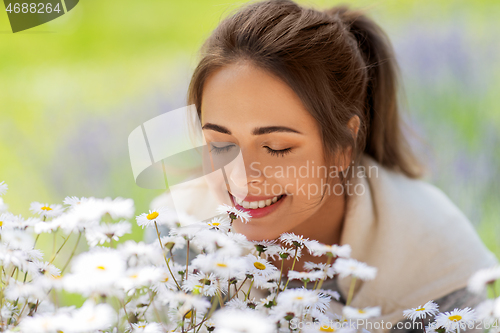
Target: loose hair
(338,61)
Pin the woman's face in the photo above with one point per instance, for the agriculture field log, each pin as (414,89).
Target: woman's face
(281,148)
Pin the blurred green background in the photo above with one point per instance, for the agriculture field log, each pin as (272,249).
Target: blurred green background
(73,89)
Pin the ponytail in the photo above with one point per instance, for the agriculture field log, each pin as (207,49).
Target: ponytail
(383,139)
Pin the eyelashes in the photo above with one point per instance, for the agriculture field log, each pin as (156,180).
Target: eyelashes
(280,153)
(225,149)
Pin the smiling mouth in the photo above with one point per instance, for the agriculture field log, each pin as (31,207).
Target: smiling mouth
(259,203)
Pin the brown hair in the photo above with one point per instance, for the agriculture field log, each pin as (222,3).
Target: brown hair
(338,61)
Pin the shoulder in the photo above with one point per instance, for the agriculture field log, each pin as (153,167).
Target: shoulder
(423,246)
(417,205)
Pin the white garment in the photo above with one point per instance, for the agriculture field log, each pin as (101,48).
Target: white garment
(422,245)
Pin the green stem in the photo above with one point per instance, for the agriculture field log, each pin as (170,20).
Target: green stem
(187,260)
(351,291)
(279,282)
(328,261)
(247,296)
(166,261)
(60,248)
(293,264)
(72,253)
(238,290)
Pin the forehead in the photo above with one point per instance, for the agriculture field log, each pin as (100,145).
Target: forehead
(247,95)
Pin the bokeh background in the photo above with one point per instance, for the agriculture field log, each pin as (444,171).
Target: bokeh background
(73,89)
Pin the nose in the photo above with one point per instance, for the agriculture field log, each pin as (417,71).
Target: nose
(242,173)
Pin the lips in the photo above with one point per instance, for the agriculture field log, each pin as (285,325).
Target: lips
(258,208)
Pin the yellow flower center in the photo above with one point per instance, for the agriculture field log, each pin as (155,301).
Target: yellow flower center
(259,265)
(101,268)
(326,329)
(455,318)
(1,223)
(188,315)
(165,279)
(221,264)
(46,208)
(152,215)
(421,309)
(141,326)
(134,276)
(216,224)
(361,311)
(299,298)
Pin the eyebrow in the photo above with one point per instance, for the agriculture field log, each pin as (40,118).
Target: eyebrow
(255,131)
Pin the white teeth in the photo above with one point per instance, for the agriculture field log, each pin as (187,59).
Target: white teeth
(255,204)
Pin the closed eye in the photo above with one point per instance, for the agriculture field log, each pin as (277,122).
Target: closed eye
(221,150)
(280,153)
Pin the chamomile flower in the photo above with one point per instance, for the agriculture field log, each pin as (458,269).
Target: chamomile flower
(105,232)
(266,303)
(202,284)
(95,271)
(10,221)
(237,304)
(319,249)
(333,294)
(355,313)
(259,267)
(220,223)
(144,327)
(187,231)
(39,268)
(483,277)
(421,312)
(172,243)
(46,227)
(46,210)
(17,239)
(136,278)
(485,311)
(117,208)
(72,201)
(324,326)
(28,291)
(160,216)
(141,254)
(15,257)
(292,239)
(354,268)
(214,241)
(306,276)
(45,323)
(262,246)
(269,282)
(234,213)
(248,321)
(3,188)
(165,280)
(93,317)
(282,252)
(223,266)
(301,298)
(456,319)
